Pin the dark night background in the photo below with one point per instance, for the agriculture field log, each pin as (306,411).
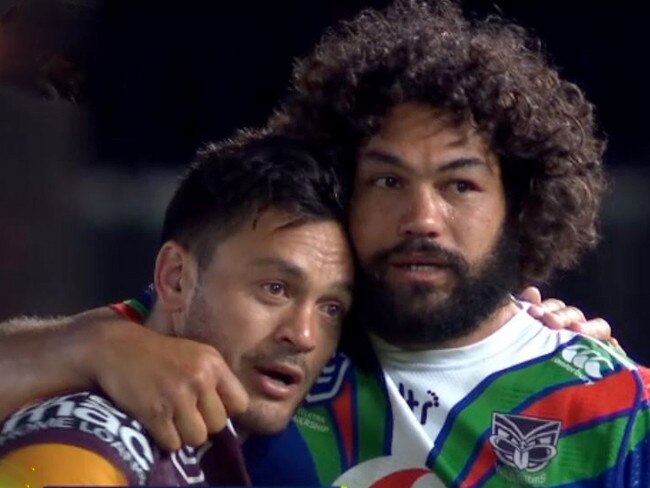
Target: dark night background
(84,185)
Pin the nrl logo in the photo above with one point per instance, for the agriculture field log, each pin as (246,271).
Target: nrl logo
(328,384)
(525,443)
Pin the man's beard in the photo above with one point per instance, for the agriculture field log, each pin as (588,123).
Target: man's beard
(425,315)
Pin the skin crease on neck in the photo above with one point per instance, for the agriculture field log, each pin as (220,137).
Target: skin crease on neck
(272,300)
(424,176)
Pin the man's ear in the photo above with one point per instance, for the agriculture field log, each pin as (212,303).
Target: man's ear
(175,276)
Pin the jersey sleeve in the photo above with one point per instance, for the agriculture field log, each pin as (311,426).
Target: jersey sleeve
(637,465)
(39,465)
(137,309)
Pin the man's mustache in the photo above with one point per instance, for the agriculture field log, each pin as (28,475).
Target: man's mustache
(283,354)
(424,247)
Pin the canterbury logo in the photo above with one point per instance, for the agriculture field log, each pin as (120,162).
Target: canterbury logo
(588,360)
(524,443)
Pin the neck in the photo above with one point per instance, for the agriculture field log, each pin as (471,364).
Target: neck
(160,321)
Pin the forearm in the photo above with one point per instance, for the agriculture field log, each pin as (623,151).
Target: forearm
(41,357)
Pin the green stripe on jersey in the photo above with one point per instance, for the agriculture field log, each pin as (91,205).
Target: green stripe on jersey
(138,307)
(641,428)
(319,433)
(504,393)
(372,410)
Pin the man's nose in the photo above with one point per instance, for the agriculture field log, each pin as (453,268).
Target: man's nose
(422,213)
(299,328)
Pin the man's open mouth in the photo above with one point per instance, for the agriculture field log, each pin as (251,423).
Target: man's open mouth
(288,375)
(417,262)
(420,267)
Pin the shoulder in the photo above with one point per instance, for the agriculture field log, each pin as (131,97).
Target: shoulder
(644,375)
(587,382)
(595,358)
(87,421)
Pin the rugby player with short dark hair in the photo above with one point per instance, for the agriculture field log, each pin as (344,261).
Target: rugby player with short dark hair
(254,262)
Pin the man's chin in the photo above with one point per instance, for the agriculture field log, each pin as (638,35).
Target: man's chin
(428,313)
(423,316)
(263,418)
(419,299)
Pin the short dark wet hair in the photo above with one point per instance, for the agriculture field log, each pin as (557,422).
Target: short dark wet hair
(236,180)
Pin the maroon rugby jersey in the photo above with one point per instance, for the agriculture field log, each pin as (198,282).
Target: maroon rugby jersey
(90,421)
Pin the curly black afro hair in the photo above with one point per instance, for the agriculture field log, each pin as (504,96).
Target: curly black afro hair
(487,72)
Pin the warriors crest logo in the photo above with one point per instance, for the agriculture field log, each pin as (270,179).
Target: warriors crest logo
(524,443)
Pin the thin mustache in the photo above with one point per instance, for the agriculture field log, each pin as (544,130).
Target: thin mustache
(293,359)
(419,245)
(424,245)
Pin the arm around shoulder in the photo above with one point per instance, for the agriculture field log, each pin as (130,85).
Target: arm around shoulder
(42,357)
(179,389)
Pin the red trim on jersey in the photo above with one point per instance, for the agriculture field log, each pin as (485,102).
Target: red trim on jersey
(126,311)
(572,405)
(582,403)
(401,479)
(343,409)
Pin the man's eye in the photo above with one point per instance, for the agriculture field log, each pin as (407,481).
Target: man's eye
(275,288)
(387,182)
(462,186)
(333,310)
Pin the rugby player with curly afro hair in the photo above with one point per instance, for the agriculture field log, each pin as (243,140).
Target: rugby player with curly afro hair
(472,168)
(489,73)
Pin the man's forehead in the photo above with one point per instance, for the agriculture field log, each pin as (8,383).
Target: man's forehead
(277,219)
(314,252)
(419,121)
(432,133)
(294,231)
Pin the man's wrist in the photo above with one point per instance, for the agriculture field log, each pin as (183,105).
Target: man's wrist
(94,335)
